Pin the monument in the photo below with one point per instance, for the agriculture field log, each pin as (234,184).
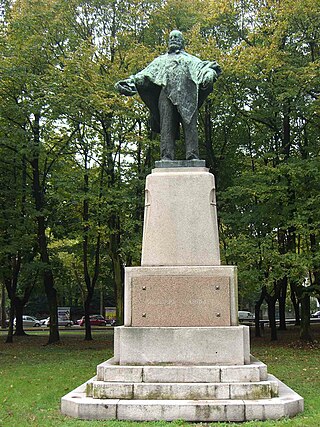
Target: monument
(181,353)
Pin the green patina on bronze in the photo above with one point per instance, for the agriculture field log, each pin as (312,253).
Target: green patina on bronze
(174,86)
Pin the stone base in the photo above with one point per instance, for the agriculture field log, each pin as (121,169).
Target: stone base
(195,163)
(239,394)
(187,346)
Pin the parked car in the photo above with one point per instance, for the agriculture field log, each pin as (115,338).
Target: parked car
(95,320)
(29,322)
(316,314)
(44,321)
(245,316)
(111,322)
(61,322)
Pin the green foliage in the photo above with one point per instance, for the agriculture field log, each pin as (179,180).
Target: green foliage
(259,133)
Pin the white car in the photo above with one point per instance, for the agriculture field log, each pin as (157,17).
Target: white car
(61,322)
(29,322)
(316,314)
(44,321)
(244,316)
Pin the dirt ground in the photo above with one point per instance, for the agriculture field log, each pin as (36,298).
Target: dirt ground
(288,338)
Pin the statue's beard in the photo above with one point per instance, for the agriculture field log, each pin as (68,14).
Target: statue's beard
(173,46)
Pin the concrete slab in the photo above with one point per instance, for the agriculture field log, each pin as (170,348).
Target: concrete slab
(191,411)
(180,391)
(235,374)
(258,390)
(181,374)
(102,366)
(104,390)
(184,346)
(132,374)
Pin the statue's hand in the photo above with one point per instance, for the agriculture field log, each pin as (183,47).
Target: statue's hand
(126,87)
(216,68)
(208,78)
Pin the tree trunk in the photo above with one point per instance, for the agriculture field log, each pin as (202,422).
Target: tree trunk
(85,249)
(90,281)
(257,308)
(9,339)
(286,139)
(282,304)
(316,264)
(295,303)
(87,303)
(48,280)
(18,307)
(101,302)
(305,334)
(257,328)
(3,306)
(19,304)
(114,225)
(14,264)
(118,270)
(119,279)
(271,301)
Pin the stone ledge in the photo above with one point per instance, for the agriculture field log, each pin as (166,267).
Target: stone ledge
(182,391)
(171,164)
(76,404)
(110,371)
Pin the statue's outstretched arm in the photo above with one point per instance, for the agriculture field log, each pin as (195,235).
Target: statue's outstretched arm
(126,86)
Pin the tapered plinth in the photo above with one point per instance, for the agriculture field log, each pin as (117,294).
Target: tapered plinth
(180,220)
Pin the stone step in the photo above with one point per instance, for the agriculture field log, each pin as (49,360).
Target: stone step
(77,404)
(254,372)
(182,391)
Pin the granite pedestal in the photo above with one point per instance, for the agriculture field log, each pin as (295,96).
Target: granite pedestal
(181,353)
(180,218)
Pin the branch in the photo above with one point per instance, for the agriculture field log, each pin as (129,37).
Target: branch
(47,169)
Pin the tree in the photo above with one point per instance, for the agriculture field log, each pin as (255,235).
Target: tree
(269,87)
(34,44)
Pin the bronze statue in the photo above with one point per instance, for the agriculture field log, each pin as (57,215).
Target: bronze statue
(174,86)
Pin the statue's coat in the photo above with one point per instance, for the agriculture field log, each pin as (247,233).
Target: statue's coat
(181,76)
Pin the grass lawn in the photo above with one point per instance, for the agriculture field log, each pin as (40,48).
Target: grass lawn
(34,376)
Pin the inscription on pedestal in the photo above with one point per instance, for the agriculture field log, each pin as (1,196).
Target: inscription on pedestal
(180,301)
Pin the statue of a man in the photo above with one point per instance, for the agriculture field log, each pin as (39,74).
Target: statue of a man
(174,86)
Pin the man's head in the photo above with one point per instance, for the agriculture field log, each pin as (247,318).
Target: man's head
(176,41)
